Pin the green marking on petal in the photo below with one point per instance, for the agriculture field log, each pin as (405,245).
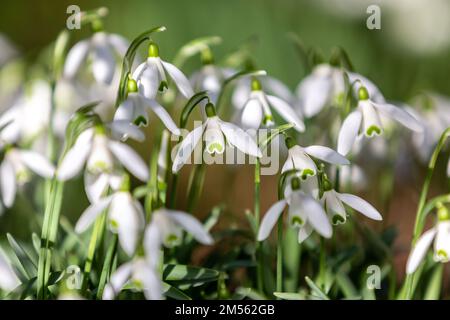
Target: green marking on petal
(296,221)
(114,224)
(268,119)
(163,86)
(338,219)
(373,130)
(215,147)
(442,254)
(172,239)
(306,173)
(138,284)
(140,121)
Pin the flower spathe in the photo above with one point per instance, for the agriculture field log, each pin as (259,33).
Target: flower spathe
(135,110)
(14,171)
(151,76)
(440,233)
(299,158)
(257,110)
(215,133)
(125,217)
(366,120)
(98,152)
(101,50)
(304,213)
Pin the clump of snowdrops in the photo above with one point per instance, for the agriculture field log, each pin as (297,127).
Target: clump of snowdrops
(77,114)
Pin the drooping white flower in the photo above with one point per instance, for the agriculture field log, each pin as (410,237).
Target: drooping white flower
(166,228)
(14,171)
(304,213)
(257,109)
(99,152)
(143,276)
(135,110)
(299,158)
(125,217)
(151,76)
(102,51)
(97,184)
(441,236)
(326,85)
(366,120)
(215,132)
(210,78)
(334,201)
(8,279)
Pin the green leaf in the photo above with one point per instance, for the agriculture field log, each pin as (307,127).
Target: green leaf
(193,47)
(346,285)
(289,295)
(174,293)
(128,61)
(25,262)
(433,290)
(182,274)
(316,291)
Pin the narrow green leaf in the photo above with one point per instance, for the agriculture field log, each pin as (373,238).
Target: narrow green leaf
(289,295)
(316,290)
(174,293)
(188,275)
(26,261)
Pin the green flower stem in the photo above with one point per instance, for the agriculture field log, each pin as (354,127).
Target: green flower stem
(195,189)
(322,264)
(107,266)
(173,191)
(259,252)
(96,235)
(408,288)
(48,235)
(152,193)
(279,279)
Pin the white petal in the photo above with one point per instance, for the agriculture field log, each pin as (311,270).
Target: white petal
(270,218)
(152,285)
(371,119)
(349,132)
(91,213)
(277,88)
(317,217)
(152,244)
(286,112)
(95,186)
(326,154)
(8,279)
(117,281)
(8,183)
(73,161)
(128,219)
(139,70)
(165,117)
(75,58)
(419,250)
(103,63)
(304,232)
(334,206)
(130,160)
(124,129)
(180,79)
(149,79)
(191,225)
(252,114)
(132,109)
(186,147)
(360,205)
(119,43)
(442,242)
(300,161)
(37,163)
(399,115)
(240,139)
(313,93)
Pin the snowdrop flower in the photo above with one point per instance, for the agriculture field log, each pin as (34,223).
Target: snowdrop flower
(166,228)
(102,50)
(151,76)
(304,213)
(125,217)
(257,109)
(366,118)
(141,274)
(135,110)
(8,279)
(98,152)
(441,236)
(299,158)
(214,132)
(14,171)
(325,85)
(96,185)
(334,201)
